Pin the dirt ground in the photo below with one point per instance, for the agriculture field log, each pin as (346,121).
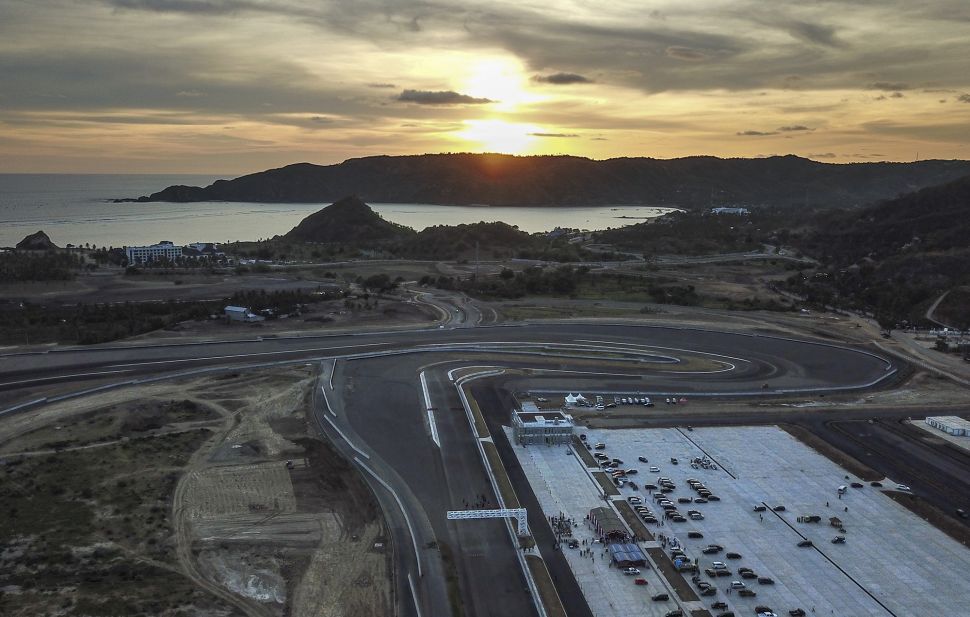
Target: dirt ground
(180,498)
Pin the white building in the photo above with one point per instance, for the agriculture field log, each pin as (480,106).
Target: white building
(546,426)
(952,425)
(145,254)
(736,211)
(241,313)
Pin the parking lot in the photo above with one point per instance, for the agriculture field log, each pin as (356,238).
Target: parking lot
(892,562)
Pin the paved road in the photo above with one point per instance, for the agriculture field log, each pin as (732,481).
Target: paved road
(378,406)
(782,364)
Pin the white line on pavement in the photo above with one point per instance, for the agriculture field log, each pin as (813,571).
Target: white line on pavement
(427,405)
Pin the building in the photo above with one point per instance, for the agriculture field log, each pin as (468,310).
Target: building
(626,554)
(198,250)
(541,426)
(951,425)
(735,211)
(156,252)
(241,313)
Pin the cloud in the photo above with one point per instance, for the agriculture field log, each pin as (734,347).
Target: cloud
(756,133)
(562,79)
(822,155)
(190,93)
(440,97)
(202,7)
(381,85)
(964,98)
(888,86)
(554,134)
(817,34)
(685,53)
(793,128)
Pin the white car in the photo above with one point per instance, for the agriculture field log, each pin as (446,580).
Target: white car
(903,487)
(631,571)
(654,469)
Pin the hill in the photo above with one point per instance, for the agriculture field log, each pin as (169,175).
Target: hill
(347,221)
(39,241)
(893,258)
(497,179)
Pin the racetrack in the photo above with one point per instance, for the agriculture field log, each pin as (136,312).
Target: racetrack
(373,407)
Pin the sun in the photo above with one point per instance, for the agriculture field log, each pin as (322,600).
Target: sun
(498,79)
(498,136)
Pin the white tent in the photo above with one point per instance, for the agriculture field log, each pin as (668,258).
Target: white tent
(572,399)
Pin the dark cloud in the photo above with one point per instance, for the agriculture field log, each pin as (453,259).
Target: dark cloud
(964,98)
(554,134)
(817,34)
(562,79)
(381,85)
(756,133)
(888,86)
(685,53)
(440,97)
(822,155)
(203,7)
(793,128)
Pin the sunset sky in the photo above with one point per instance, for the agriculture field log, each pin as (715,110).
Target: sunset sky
(234,86)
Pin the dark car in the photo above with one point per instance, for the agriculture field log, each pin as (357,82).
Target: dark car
(710,550)
(660,597)
(856,485)
(779,508)
(719,604)
(747,593)
(733,555)
(796,612)
(747,574)
(876,484)
(726,614)
(761,608)
(710,572)
(764,580)
(643,459)
(694,534)
(700,500)
(805,544)
(962,513)
(710,591)
(675,613)
(723,572)
(583,436)
(760,508)
(713,498)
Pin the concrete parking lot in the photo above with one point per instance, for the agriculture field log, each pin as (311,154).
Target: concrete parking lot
(892,564)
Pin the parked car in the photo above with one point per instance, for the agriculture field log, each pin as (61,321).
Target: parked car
(875,484)
(654,469)
(737,585)
(747,574)
(642,459)
(856,485)
(710,591)
(631,571)
(660,597)
(805,544)
(760,508)
(838,540)
(694,534)
(600,446)
(796,612)
(733,555)
(747,593)
(779,508)
(640,581)
(675,613)
(719,604)
(765,580)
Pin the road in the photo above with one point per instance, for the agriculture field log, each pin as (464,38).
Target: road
(372,406)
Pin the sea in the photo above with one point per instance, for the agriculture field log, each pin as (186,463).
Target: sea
(78,210)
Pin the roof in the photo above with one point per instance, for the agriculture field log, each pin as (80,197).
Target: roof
(952,421)
(608,521)
(236,309)
(626,552)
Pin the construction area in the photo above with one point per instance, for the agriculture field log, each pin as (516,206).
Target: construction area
(215,492)
(811,535)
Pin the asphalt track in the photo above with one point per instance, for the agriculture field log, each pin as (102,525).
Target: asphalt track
(376,414)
